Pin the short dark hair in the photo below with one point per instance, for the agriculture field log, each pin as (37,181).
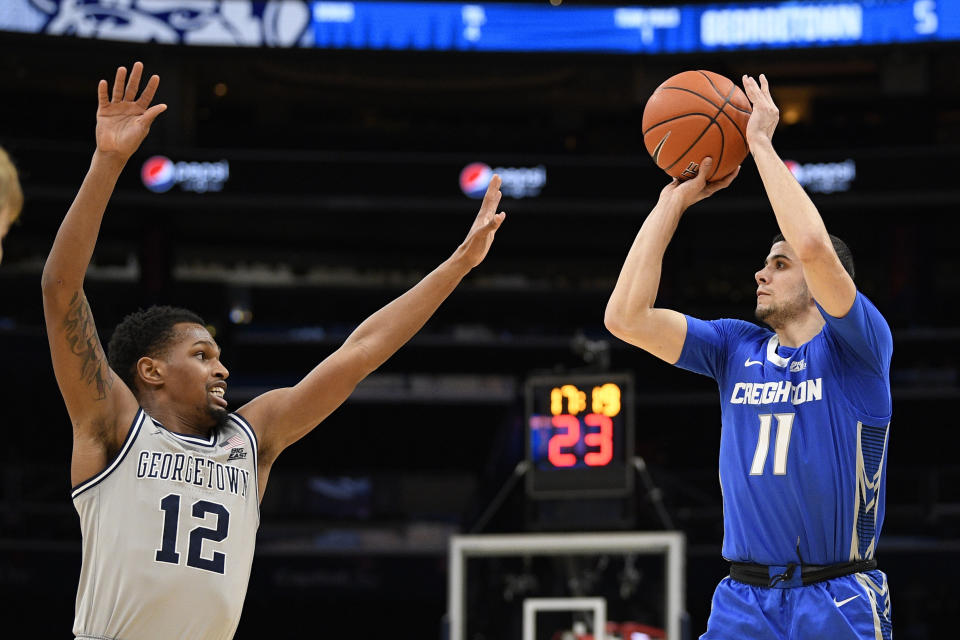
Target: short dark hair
(146,332)
(843,251)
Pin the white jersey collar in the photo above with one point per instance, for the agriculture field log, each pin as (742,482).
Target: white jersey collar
(772,354)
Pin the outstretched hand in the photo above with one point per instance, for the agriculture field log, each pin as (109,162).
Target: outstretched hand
(765,116)
(474,248)
(123,120)
(697,188)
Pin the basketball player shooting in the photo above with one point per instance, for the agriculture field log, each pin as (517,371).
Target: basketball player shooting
(805,412)
(167,482)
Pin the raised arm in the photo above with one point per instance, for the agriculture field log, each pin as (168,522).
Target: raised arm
(99,404)
(799,220)
(283,416)
(631,315)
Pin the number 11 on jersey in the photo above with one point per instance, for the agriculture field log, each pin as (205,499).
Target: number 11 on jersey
(780,449)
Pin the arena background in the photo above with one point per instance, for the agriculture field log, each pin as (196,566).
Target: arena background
(315,184)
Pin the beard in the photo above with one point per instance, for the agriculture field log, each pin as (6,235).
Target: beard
(218,416)
(778,315)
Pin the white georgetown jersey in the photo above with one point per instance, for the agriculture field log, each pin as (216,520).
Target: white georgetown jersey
(168,535)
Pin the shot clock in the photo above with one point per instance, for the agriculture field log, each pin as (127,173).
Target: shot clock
(579,435)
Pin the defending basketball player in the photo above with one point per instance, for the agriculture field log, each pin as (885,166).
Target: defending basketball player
(167,481)
(11,197)
(805,412)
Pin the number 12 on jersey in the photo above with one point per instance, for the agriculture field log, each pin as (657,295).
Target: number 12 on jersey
(167,552)
(780,449)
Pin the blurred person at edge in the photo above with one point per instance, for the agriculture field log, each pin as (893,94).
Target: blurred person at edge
(11,196)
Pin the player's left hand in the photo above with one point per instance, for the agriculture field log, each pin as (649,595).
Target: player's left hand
(697,188)
(477,243)
(763,121)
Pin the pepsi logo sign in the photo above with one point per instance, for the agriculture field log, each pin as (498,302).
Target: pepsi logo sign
(474,179)
(517,182)
(823,177)
(159,174)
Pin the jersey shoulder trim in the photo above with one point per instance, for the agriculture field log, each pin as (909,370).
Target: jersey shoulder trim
(245,427)
(131,436)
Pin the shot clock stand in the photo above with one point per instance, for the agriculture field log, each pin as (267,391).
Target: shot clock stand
(580,470)
(588,499)
(518,472)
(653,494)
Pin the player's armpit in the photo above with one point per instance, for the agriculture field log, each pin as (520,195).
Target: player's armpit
(660,332)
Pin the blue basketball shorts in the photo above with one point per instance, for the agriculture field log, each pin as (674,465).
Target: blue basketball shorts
(851,607)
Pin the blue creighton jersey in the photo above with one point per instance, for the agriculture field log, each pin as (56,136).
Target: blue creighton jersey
(804,436)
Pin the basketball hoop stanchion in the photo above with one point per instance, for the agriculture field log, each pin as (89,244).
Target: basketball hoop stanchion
(518,472)
(653,492)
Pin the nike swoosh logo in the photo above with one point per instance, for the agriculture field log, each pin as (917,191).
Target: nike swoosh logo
(751,362)
(843,602)
(656,151)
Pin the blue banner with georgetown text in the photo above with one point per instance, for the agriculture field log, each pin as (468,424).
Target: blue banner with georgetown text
(515,27)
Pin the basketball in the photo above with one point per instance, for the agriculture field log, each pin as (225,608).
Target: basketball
(693,115)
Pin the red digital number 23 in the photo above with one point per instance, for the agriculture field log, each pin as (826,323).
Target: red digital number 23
(560,441)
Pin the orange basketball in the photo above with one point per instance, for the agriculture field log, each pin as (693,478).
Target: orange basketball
(693,115)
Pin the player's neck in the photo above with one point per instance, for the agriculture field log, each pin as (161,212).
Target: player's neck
(174,420)
(800,330)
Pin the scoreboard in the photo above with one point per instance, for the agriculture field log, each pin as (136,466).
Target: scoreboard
(579,435)
(521,27)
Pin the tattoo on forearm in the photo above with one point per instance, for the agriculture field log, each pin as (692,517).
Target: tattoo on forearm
(85,344)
